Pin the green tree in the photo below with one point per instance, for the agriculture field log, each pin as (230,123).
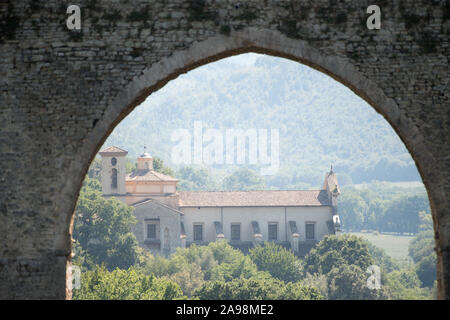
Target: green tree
(426,221)
(382,259)
(349,282)
(158,165)
(426,270)
(318,281)
(191,267)
(402,214)
(336,250)
(352,209)
(131,165)
(279,262)
(189,278)
(195,179)
(243,179)
(256,289)
(91,184)
(381,207)
(404,284)
(422,245)
(102,229)
(95,169)
(131,284)
(421,250)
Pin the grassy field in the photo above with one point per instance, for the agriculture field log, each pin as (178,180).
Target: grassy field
(396,246)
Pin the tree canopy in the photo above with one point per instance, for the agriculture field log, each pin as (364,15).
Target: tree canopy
(256,289)
(276,260)
(102,230)
(333,251)
(130,284)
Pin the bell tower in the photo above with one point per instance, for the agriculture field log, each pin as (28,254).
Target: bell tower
(145,161)
(113,171)
(332,187)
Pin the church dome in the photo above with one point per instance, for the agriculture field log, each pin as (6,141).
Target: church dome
(145,155)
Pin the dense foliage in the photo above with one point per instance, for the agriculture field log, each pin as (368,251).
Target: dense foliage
(421,250)
(130,284)
(338,268)
(256,289)
(192,266)
(349,282)
(243,179)
(405,284)
(381,207)
(334,251)
(102,230)
(276,260)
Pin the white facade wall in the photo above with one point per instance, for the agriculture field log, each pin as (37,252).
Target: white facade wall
(205,216)
(245,215)
(263,215)
(302,215)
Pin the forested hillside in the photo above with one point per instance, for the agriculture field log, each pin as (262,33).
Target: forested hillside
(383,207)
(320,121)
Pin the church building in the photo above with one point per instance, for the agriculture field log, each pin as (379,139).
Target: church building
(167,218)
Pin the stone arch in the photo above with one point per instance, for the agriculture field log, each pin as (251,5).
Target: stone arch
(270,42)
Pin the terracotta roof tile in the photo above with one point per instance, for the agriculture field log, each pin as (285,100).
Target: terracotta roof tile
(113,149)
(269,198)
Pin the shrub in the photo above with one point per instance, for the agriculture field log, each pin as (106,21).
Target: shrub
(279,262)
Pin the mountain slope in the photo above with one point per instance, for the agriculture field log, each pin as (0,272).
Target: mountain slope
(320,121)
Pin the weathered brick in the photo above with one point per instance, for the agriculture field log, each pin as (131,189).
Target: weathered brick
(54,83)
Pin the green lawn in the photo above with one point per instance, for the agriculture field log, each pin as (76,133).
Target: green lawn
(396,246)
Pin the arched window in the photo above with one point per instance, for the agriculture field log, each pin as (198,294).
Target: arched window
(114,179)
(113,161)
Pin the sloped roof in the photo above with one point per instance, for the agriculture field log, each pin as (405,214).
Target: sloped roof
(148,175)
(113,149)
(266,198)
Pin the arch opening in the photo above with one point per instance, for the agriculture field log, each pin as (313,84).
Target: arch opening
(159,75)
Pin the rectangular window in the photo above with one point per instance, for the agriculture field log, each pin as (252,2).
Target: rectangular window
(235,231)
(309,231)
(198,232)
(151,231)
(273,231)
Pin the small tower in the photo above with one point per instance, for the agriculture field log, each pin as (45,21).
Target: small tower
(113,171)
(332,187)
(145,161)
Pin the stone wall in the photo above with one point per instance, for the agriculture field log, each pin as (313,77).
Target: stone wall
(62,92)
